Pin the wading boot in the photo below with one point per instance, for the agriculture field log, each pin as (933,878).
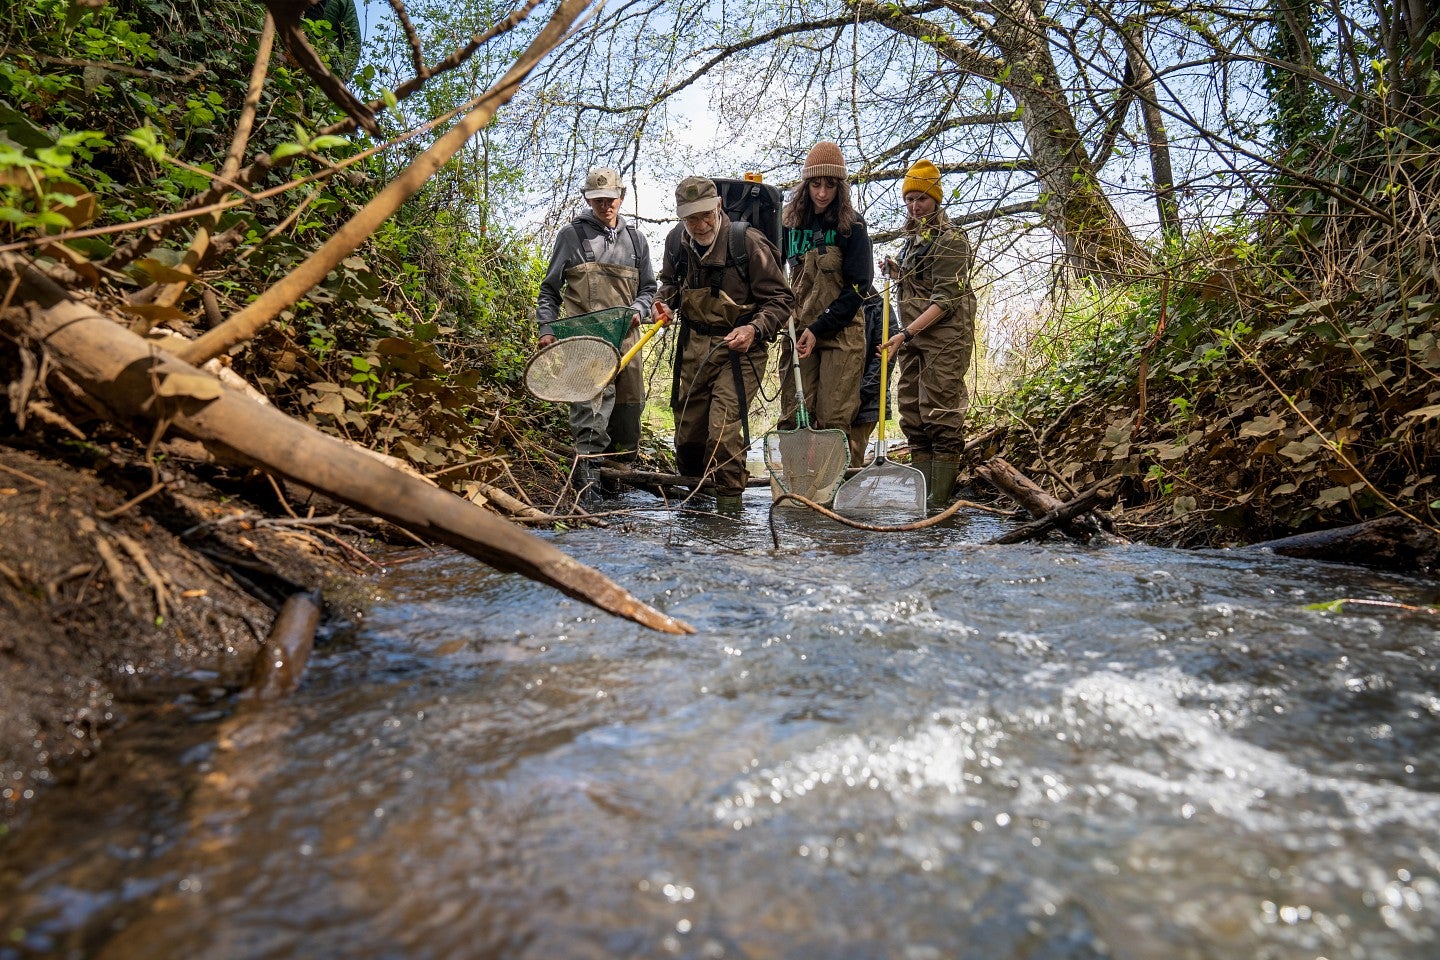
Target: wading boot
(729,505)
(942,483)
(586,480)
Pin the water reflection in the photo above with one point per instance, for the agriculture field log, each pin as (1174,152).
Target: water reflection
(903,746)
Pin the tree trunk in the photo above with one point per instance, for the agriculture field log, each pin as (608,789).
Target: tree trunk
(1097,242)
(1143,80)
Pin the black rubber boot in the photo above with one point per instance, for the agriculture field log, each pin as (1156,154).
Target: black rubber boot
(586,480)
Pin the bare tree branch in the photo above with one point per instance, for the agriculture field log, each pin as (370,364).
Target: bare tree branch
(287,23)
(158,228)
(417,54)
(310,272)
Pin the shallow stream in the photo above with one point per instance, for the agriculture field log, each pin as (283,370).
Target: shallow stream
(875,745)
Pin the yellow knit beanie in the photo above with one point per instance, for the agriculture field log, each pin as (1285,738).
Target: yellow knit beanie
(922,177)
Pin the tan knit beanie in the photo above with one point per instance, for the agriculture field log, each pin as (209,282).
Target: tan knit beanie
(824,161)
(922,177)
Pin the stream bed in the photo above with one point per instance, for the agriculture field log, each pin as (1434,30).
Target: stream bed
(874,746)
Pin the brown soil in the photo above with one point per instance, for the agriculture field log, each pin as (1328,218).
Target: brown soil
(108,609)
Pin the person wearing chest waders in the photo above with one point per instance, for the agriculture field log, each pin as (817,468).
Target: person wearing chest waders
(601,261)
(936,335)
(827,250)
(725,281)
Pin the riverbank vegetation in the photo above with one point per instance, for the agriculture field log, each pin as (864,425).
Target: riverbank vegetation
(1210,233)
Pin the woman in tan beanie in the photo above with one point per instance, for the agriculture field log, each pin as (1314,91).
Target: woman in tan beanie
(937,333)
(827,250)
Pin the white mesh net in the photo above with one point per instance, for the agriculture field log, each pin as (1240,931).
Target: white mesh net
(572,370)
(883,487)
(807,462)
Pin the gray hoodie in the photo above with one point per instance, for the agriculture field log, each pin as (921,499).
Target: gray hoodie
(606,245)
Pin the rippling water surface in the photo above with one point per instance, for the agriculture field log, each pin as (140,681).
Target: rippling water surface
(903,745)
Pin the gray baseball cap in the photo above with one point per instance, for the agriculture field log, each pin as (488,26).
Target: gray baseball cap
(604,182)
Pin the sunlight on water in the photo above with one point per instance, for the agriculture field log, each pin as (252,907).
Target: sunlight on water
(907,746)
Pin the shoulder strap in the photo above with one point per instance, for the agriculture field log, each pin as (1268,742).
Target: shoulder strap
(634,242)
(737,255)
(582,226)
(679,256)
(739,251)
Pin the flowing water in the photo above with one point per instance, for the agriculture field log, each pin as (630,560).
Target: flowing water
(875,745)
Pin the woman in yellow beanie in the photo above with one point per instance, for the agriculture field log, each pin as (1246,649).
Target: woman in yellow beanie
(830,261)
(922,177)
(937,333)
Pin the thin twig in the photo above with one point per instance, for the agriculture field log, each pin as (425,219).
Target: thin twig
(417,55)
(153,489)
(280,495)
(23,476)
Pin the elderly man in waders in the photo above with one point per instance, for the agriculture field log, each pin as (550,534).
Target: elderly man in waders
(726,282)
(601,261)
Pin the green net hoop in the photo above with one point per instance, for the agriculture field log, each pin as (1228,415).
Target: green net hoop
(610,325)
(807,462)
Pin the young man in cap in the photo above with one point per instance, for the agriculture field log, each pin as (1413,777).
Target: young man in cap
(726,282)
(936,335)
(600,261)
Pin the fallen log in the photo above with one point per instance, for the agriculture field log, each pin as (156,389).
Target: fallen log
(1080,525)
(1064,513)
(509,504)
(1394,543)
(651,479)
(142,387)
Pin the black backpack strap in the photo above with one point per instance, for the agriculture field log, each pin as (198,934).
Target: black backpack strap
(634,242)
(739,250)
(583,226)
(737,257)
